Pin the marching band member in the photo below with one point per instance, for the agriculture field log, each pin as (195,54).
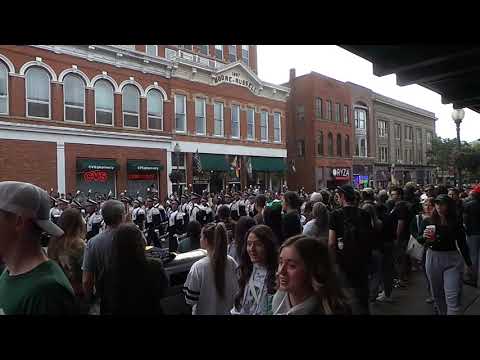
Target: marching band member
(138,215)
(94,219)
(153,222)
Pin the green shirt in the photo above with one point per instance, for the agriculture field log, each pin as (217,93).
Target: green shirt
(45,290)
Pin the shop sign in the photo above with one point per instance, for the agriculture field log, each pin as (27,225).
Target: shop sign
(141,177)
(341,173)
(235,77)
(95,176)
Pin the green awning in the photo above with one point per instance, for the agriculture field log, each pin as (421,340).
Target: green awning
(144,165)
(96,164)
(268,164)
(214,162)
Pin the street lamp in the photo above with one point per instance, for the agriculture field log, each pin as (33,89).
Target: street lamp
(177,151)
(457,116)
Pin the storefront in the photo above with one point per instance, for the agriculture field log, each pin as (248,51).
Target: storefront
(97,176)
(214,171)
(268,172)
(143,177)
(382,177)
(361,181)
(338,177)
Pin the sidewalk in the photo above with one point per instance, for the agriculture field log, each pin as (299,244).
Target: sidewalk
(411,301)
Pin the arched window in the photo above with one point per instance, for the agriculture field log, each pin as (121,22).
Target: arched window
(347,146)
(130,106)
(74,98)
(155,109)
(320,144)
(3,89)
(103,102)
(38,93)
(330,144)
(339,145)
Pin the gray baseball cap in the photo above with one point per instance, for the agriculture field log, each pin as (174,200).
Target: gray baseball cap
(29,201)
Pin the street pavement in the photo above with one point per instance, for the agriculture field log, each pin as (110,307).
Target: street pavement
(411,300)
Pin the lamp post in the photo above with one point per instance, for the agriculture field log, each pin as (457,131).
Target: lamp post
(457,116)
(177,151)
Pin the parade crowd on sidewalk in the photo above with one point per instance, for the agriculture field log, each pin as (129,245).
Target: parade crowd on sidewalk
(332,252)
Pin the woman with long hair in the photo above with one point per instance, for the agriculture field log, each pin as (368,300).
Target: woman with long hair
(444,235)
(307,283)
(134,284)
(234,249)
(211,284)
(272,217)
(317,227)
(257,269)
(68,249)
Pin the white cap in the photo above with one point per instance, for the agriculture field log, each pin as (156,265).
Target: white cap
(28,201)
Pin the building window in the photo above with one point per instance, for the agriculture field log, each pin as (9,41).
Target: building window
(218,118)
(411,155)
(408,133)
(398,154)
(320,144)
(200,123)
(429,138)
(277,125)
(329,110)
(155,110)
(178,166)
(250,124)
(337,112)
(383,151)
(203,49)
(419,136)
(300,148)
(219,52)
(406,156)
(103,103)
(382,128)
(419,156)
(347,146)
(186,47)
(74,98)
(130,106)
(397,131)
(360,118)
(363,148)
(330,144)
(232,53)
(318,108)
(38,93)
(235,121)
(264,125)
(3,89)
(300,113)
(180,113)
(245,54)
(339,145)
(346,118)
(152,50)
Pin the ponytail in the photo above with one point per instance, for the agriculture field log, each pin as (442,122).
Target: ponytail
(216,236)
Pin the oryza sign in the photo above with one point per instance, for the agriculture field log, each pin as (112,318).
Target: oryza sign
(341,173)
(235,78)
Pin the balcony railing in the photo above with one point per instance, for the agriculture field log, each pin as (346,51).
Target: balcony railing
(194,59)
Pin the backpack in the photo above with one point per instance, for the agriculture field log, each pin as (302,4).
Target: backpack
(201,215)
(352,251)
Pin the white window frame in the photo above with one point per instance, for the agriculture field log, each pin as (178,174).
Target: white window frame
(73,106)
(185,113)
(219,47)
(338,109)
(248,54)
(399,127)
(383,150)
(235,52)
(418,138)
(329,110)
(266,125)
(275,114)
(36,101)
(222,119)
(200,51)
(357,118)
(154,116)
(113,104)
(156,50)
(318,101)
(129,113)
(204,116)
(235,106)
(429,137)
(382,128)
(252,111)
(7,83)
(346,119)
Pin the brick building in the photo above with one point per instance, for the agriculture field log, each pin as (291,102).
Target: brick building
(319,132)
(109,118)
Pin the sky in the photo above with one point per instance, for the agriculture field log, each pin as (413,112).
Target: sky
(275,62)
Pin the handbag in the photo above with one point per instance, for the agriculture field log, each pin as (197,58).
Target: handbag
(414,249)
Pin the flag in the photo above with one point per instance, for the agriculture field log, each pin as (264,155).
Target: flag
(197,163)
(292,164)
(236,166)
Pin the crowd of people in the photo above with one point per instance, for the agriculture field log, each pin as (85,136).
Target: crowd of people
(267,253)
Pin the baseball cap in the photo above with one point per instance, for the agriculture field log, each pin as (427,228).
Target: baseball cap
(29,201)
(347,190)
(442,199)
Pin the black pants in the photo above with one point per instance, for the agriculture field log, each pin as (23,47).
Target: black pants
(388,268)
(357,289)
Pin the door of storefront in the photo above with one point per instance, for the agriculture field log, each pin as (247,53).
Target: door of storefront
(143,177)
(97,177)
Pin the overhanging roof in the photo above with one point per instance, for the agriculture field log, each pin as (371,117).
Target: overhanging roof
(453,71)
